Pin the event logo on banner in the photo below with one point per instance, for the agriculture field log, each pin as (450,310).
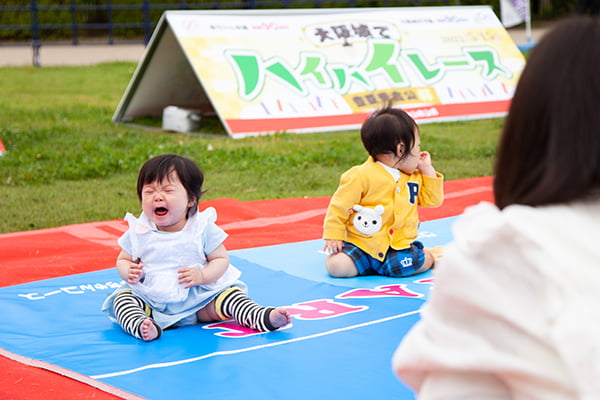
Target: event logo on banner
(291,71)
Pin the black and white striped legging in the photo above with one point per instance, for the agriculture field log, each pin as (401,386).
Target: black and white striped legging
(131,311)
(233,303)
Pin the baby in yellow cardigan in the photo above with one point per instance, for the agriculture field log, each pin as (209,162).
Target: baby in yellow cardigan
(372,221)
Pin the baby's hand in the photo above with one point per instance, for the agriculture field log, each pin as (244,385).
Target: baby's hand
(425,165)
(135,272)
(190,277)
(424,159)
(333,246)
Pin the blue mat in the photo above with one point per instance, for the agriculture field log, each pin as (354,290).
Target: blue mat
(339,345)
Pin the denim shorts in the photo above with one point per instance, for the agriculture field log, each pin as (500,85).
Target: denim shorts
(396,263)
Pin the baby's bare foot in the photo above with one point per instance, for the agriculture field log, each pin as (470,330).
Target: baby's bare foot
(280,317)
(148,330)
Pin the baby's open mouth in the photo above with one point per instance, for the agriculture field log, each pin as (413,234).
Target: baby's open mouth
(160,211)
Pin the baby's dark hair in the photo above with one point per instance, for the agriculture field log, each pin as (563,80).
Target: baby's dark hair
(385,129)
(160,167)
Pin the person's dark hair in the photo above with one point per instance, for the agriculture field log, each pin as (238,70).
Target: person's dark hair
(160,167)
(385,129)
(549,151)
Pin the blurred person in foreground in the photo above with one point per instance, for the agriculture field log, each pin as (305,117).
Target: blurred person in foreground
(515,310)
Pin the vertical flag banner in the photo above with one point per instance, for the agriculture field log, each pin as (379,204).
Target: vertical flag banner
(267,71)
(513,12)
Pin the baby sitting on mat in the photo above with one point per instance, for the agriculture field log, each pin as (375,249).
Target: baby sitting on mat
(173,261)
(372,220)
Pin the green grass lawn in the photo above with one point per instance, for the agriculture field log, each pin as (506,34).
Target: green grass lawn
(67,162)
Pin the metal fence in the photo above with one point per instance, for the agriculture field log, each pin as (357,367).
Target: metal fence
(119,21)
(99,15)
(82,16)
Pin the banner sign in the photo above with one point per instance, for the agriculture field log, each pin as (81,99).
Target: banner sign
(267,71)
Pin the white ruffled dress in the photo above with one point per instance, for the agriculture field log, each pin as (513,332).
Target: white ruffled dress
(163,254)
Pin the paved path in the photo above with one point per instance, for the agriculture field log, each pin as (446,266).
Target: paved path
(92,54)
(70,55)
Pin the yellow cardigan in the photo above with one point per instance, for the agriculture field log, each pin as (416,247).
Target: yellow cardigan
(369,184)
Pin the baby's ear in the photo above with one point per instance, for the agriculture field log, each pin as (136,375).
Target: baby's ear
(400,149)
(192,201)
